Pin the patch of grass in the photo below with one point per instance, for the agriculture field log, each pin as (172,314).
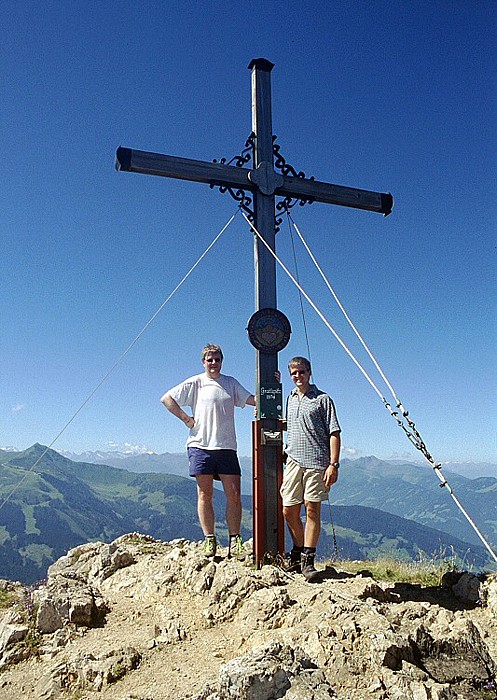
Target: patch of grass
(146,544)
(31,644)
(138,538)
(390,570)
(425,572)
(7,598)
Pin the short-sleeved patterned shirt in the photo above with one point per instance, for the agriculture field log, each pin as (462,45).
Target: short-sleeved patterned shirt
(311,420)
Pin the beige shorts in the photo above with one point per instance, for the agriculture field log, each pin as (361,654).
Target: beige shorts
(301,484)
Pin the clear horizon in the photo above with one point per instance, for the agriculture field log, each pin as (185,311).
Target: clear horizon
(137,450)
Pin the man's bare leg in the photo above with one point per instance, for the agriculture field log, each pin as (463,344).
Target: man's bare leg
(232,490)
(294,522)
(205,509)
(312,523)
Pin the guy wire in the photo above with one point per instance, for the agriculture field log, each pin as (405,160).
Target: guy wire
(118,361)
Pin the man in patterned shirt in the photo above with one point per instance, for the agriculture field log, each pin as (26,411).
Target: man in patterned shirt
(312,454)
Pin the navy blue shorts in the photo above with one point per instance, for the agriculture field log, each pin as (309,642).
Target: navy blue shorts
(213,462)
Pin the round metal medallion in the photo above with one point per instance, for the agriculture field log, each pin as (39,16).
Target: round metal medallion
(269,330)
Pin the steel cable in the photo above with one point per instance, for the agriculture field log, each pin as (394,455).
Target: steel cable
(119,360)
(410,429)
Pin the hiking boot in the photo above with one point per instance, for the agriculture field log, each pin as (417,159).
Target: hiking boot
(235,547)
(309,571)
(293,561)
(210,546)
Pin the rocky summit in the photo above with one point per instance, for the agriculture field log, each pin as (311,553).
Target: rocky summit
(140,619)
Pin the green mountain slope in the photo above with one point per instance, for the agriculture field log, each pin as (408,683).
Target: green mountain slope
(59,504)
(369,533)
(413,491)
(401,488)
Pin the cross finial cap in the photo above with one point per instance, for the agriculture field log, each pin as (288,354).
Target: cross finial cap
(261,64)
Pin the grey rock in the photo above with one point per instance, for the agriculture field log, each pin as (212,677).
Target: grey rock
(348,637)
(93,562)
(86,671)
(12,629)
(169,627)
(68,600)
(267,674)
(453,653)
(468,588)
(489,593)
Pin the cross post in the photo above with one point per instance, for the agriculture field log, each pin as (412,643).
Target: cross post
(267,440)
(264,183)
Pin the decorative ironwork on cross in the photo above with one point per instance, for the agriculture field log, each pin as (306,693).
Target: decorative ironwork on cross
(255,189)
(241,196)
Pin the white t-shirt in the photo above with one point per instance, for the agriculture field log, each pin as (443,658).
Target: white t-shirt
(213,404)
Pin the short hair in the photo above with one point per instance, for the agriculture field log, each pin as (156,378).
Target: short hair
(300,361)
(211,348)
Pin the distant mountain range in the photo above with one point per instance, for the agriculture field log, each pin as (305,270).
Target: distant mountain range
(401,488)
(141,458)
(146,462)
(61,503)
(472,470)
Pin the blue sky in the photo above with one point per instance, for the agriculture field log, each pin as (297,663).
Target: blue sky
(388,96)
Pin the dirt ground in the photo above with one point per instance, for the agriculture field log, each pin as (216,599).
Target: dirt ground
(181,668)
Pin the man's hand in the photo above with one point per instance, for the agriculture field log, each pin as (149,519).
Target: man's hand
(189,421)
(330,476)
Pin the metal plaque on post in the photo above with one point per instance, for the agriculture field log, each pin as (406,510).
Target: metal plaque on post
(269,330)
(270,400)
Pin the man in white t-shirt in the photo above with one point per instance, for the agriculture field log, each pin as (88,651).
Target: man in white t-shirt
(211,444)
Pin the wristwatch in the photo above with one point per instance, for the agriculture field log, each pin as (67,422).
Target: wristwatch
(335,464)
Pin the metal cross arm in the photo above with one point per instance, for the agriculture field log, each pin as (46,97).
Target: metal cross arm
(148,163)
(263,178)
(313,190)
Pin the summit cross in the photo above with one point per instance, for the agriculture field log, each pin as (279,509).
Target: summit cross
(264,183)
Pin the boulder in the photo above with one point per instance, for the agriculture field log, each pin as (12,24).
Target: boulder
(68,600)
(273,671)
(86,671)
